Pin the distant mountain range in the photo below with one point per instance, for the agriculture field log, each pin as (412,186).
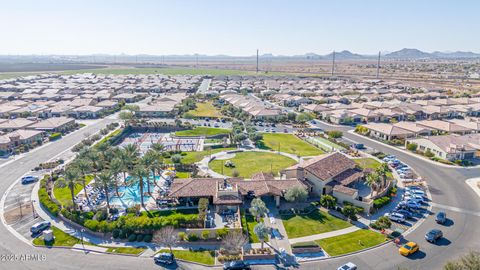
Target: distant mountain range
(403,54)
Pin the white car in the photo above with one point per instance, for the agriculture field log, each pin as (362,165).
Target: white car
(413,188)
(416,192)
(348,266)
(397,217)
(412,204)
(415,198)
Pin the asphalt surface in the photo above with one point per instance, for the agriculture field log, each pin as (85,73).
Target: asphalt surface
(447,186)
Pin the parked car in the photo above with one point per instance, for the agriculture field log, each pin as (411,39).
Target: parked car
(348,266)
(407,214)
(413,188)
(236,265)
(164,258)
(415,192)
(409,205)
(29,179)
(415,198)
(408,249)
(39,227)
(397,217)
(441,217)
(433,235)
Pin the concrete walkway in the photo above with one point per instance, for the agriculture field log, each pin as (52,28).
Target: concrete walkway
(324,235)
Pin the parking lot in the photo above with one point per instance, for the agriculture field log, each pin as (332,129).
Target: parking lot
(19,212)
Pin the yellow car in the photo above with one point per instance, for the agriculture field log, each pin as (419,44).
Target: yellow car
(408,248)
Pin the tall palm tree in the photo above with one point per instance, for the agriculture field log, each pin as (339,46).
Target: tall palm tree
(139,173)
(371,181)
(84,167)
(147,161)
(104,180)
(71,178)
(116,169)
(382,171)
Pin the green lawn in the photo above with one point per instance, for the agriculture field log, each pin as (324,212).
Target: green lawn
(192,157)
(290,144)
(329,143)
(63,195)
(314,223)
(182,175)
(126,250)
(60,239)
(249,222)
(205,257)
(248,163)
(202,131)
(370,163)
(205,109)
(351,242)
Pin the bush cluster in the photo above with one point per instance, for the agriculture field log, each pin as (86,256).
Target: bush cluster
(55,136)
(45,200)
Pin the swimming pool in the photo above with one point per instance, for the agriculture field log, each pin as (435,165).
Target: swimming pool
(130,195)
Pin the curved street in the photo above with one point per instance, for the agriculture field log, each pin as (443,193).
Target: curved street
(447,186)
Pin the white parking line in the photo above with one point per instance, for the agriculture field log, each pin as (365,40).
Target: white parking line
(456,209)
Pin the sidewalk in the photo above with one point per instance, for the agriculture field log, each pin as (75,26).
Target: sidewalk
(324,235)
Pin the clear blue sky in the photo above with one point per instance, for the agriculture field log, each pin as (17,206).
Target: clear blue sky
(236,27)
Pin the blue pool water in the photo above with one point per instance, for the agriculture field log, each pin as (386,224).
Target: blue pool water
(130,196)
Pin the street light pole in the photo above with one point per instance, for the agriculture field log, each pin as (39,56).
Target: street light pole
(33,208)
(81,234)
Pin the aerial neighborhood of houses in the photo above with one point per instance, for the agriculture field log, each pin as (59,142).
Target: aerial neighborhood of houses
(199,157)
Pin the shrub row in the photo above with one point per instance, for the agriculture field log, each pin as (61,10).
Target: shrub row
(45,200)
(55,136)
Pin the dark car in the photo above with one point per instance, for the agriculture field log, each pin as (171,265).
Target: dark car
(40,227)
(441,217)
(236,265)
(433,235)
(164,258)
(404,212)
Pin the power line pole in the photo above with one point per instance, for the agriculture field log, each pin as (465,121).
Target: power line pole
(378,65)
(333,63)
(257,60)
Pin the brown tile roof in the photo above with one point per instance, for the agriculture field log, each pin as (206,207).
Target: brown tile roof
(347,177)
(262,176)
(227,199)
(328,166)
(344,190)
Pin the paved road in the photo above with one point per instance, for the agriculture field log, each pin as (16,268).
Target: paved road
(447,186)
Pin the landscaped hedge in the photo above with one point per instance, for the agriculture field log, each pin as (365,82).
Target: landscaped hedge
(55,136)
(45,200)
(380,202)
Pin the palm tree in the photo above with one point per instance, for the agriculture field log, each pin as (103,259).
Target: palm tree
(261,231)
(147,162)
(382,171)
(158,147)
(138,173)
(84,168)
(71,179)
(104,181)
(371,181)
(115,169)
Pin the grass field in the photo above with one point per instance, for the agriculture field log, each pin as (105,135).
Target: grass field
(370,163)
(247,163)
(63,194)
(192,157)
(61,239)
(205,109)
(290,144)
(314,223)
(351,242)
(329,143)
(202,131)
(205,257)
(126,250)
